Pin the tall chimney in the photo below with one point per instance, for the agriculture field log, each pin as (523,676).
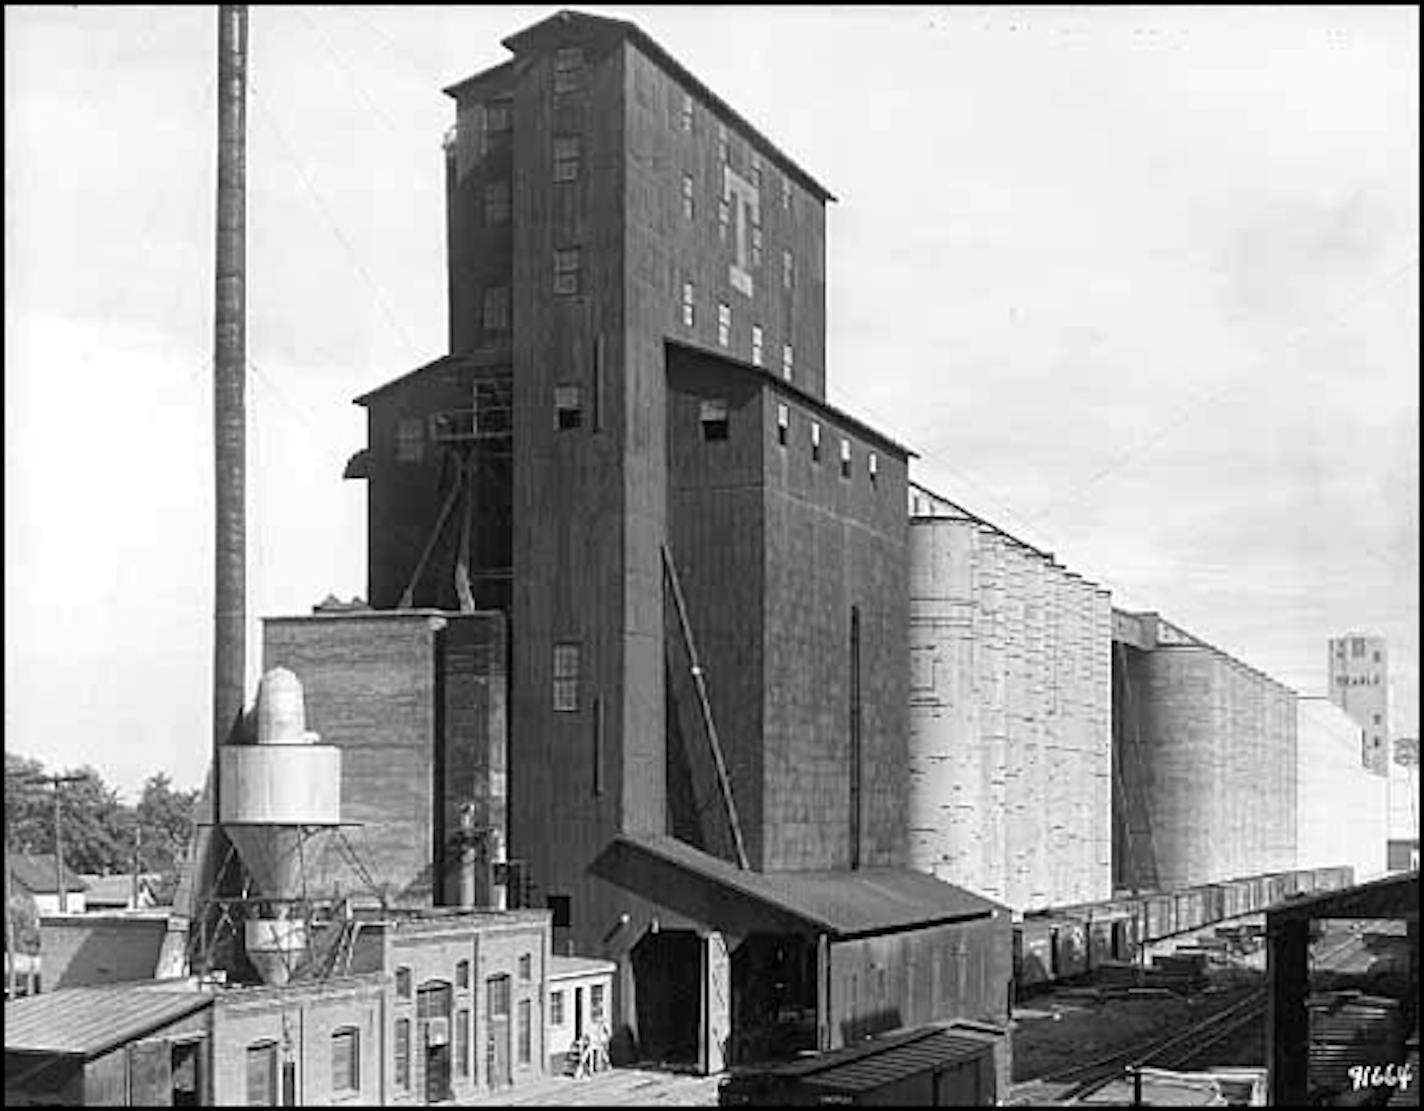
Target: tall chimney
(229,372)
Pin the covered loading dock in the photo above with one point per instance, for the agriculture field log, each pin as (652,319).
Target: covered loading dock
(763,965)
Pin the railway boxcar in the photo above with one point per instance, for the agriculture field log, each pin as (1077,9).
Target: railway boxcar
(1033,953)
(1161,916)
(1070,948)
(1214,902)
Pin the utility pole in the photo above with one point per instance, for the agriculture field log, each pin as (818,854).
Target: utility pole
(56,781)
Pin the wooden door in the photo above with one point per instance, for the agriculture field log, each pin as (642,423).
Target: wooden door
(498,1072)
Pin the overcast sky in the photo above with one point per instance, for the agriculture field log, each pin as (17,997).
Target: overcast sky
(1141,285)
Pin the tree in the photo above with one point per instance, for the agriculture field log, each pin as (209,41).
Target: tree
(165,821)
(96,826)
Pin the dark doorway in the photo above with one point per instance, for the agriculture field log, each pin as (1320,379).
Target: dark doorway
(184,1061)
(497,1064)
(667,971)
(432,1012)
(773,997)
(289,1084)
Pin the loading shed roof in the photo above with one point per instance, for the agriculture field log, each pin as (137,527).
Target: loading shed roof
(1389,897)
(85,1022)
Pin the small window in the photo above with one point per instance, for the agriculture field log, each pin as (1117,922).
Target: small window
(1357,646)
(403,1053)
(526,966)
(526,1031)
(346,1060)
(756,170)
(688,208)
(783,424)
(1377,657)
(556,1008)
(568,69)
(688,309)
(562,906)
(845,457)
(595,1003)
(462,974)
(815,442)
(756,246)
(402,983)
(723,147)
(568,407)
(496,203)
(874,466)
(410,440)
(566,270)
(462,1042)
(566,677)
(1377,718)
(262,1074)
(786,361)
(497,996)
(496,308)
(498,120)
(714,420)
(724,324)
(568,150)
(786,193)
(787,270)
(686,119)
(756,345)
(724,218)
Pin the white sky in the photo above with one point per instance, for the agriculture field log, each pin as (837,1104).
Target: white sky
(1140,284)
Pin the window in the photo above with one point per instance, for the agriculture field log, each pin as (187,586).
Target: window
(262,1074)
(724,154)
(346,1060)
(402,983)
(724,324)
(568,69)
(688,312)
(462,1042)
(1377,719)
(567,152)
(562,906)
(1357,646)
(845,457)
(756,345)
(787,270)
(786,193)
(556,1008)
(526,966)
(403,1053)
(410,440)
(687,205)
(1377,657)
(496,314)
(566,677)
(714,420)
(756,170)
(526,1030)
(686,120)
(497,996)
(815,442)
(496,203)
(462,974)
(874,466)
(783,422)
(786,361)
(498,120)
(595,1003)
(724,218)
(756,246)
(568,407)
(566,270)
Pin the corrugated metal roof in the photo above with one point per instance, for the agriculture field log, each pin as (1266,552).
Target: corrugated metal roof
(1389,897)
(869,900)
(875,1070)
(85,1022)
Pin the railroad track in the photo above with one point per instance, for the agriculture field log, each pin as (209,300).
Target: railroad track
(1181,1047)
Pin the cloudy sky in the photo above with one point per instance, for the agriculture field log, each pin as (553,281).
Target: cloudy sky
(1141,285)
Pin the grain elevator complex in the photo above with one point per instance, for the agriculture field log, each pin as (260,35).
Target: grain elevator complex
(668,671)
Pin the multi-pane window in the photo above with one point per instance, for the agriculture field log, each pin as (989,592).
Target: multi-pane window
(788,267)
(785,192)
(496,203)
(724,152)
(556,1008)
(686,117)
(783,423)
(568,150)
(568,69)
(815,442)
(595,1003)
(497,996)
(462,1042)
(568,407)
(403,1053)
(786,361)
(756,246)
(688,298)
(462,974)
(410,440)
(526,1031)
(845,457)
(346,1060)
(1357,646)
(262,1074)
(687,193)
(724,324)
(714,419)
(566,270)
(756,345)
(402,983)
(756,170)
(724,218)
(526,966)
(566,677)
(496,308)
(498,119)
